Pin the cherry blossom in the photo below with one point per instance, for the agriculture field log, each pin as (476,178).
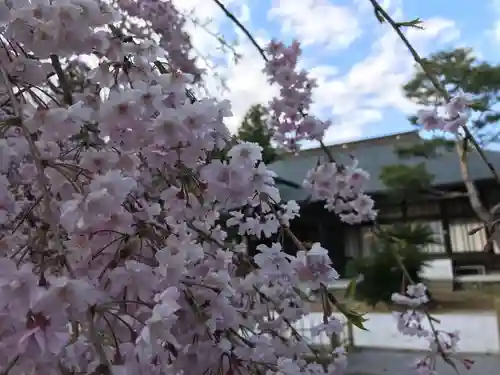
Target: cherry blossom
(120,196)
(458,114)
(288,118)
(412,322)
(341,187)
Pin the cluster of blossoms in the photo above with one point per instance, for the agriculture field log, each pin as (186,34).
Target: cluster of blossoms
(457,111)
(115,204)
(164,20)
(412,322)
(341,187)
(289,120)
(117,200)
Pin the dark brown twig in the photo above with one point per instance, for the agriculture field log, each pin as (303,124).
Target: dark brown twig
(261,51)
(63,82)
(435,82)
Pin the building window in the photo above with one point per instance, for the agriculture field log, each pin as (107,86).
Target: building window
(353,243)
(437,229)
(462,241)
(368,240)
(358,242)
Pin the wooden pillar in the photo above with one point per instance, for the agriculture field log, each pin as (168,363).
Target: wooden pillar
(331,236)
(445,221)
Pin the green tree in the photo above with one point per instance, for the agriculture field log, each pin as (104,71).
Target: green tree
(406,182)
(254,128)
(457,71)
(381,270)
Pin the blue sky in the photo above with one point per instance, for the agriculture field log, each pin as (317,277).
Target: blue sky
(359,64)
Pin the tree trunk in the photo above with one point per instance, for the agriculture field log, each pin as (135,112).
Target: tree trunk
(482,212)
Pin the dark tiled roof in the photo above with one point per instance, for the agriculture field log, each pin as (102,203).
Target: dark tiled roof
(373,155)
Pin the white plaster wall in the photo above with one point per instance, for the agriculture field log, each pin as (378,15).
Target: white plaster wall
(438,269)
(479,332)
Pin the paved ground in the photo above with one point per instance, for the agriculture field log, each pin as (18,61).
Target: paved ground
(386,362)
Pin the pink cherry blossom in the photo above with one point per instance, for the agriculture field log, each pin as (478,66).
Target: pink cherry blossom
(458,113)
(125,204)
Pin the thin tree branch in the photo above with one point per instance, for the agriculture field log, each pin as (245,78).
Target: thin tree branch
(248,34)
(63,82)
(435,82)
(261,51)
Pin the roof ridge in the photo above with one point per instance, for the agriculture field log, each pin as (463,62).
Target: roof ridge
(355,142)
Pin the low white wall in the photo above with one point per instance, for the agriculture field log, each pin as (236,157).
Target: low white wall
(438,270)
(478,332)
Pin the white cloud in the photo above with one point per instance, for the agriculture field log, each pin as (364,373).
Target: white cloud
(246,84)
(388,5)
(374,84)
(352,99)
(389,65)
(204,21)
(494,31)
(317,22)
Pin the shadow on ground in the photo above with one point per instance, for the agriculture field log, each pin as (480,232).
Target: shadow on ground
(390,362)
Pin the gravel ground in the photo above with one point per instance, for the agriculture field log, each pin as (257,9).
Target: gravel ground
(387,362)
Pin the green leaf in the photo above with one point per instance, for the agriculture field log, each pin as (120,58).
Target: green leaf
(356,319)
(379,16)
(414,23)
(350,292)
